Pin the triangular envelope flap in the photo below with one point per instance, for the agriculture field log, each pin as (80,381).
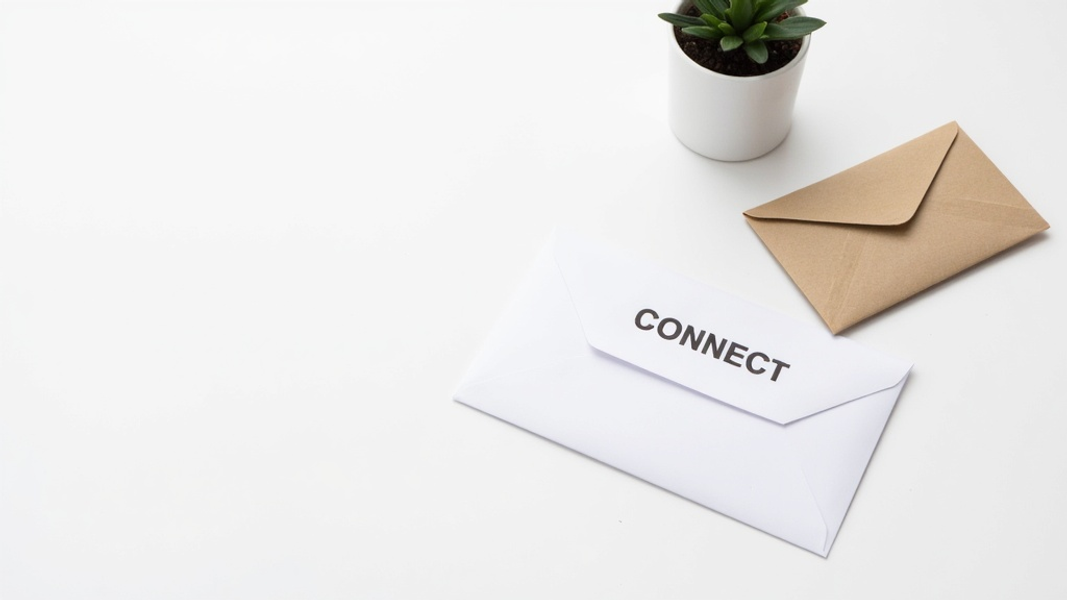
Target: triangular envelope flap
(883,191)
(709,341)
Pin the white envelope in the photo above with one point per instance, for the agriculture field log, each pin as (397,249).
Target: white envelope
(616,358)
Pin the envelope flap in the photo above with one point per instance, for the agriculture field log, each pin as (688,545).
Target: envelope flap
(883,191)
(726,348)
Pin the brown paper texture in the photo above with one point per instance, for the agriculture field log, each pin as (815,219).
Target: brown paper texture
(878,233)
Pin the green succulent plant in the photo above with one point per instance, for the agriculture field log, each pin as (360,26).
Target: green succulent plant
(745,24)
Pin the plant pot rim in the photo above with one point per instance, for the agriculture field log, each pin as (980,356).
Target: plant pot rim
(804,43)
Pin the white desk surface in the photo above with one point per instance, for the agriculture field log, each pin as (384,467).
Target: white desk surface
(248,250)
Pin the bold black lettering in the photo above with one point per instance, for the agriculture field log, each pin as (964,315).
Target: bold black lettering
(735,355)
(641,313)
(713,343)
(732,352)
(677,328)
(694,340)
(748,363)
(778,369)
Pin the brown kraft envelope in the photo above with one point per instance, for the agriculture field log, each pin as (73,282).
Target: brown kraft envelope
(884,230)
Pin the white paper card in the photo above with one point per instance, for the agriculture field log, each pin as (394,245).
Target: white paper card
(760,417)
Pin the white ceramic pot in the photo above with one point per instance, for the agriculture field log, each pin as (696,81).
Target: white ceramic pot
(726,117)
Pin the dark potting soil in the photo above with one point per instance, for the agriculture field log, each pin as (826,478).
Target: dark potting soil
(710,55)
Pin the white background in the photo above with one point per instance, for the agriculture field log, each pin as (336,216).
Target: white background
(248,250)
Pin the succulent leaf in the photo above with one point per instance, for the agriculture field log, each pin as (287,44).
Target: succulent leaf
(708,33)
(793,28)
(757,51)
(727,29)
(720,7)
(707,7)
(681,20)
(710,19)
(755,32)
(741,13)
(773,8)
(731,42)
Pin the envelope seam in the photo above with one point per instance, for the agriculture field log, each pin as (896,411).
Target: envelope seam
(811,494)
(848,260)
(900,210)
(1006,215)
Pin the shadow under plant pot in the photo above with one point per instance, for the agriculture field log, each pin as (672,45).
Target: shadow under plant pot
(732,117)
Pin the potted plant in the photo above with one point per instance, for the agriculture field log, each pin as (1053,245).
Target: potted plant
(733,74)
